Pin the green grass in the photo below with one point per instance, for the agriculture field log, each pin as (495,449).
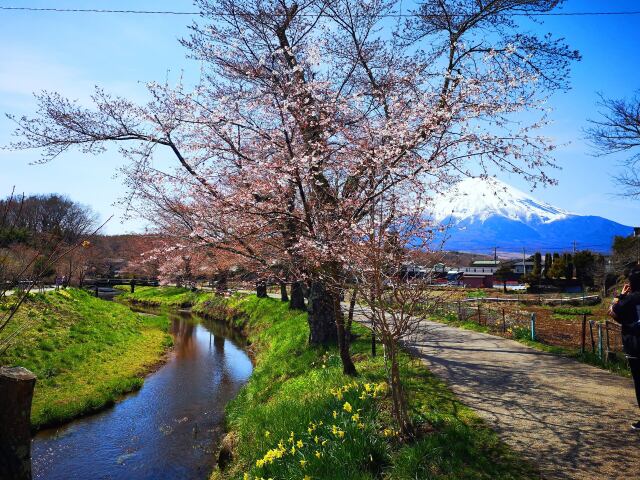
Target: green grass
(292,390)
(477,294)
(165,296)
(86,352)
(573,311)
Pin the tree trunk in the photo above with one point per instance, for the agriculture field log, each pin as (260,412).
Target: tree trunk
(16,393)
(283,292)
(221,283)
(261,289)
(348,368)
(297,296)
(352,307)
(321,318)
(399,400)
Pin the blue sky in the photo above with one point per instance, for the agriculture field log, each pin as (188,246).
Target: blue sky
(70,53)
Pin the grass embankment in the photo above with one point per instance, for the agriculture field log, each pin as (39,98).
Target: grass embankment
(164,296)
(300,417)
(86,352)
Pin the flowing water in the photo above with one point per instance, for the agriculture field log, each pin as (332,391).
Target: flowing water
(169,429)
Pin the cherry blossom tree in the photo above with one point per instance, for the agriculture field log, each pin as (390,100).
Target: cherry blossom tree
(310,113)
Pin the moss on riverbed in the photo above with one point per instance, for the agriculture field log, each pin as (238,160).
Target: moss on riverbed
(292,389)
(85,352)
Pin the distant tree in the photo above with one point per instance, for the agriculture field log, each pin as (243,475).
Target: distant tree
(618,130)
(568,266)
(548,261)
(585,264)
(38,219)
(537,264)
(558,267)
(502,274)
(625,250)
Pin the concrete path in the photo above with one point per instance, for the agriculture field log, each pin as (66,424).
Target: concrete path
(570,419)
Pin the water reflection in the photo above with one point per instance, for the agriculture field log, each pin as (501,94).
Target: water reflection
(169,428)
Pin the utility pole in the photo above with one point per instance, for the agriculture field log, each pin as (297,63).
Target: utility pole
(574,248)
(495,255)
(524,261)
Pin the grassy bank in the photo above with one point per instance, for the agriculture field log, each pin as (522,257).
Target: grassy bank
(85,352)
(164,296)
(300,417)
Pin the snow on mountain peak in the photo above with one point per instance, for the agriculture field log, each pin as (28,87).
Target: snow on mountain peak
(481,198)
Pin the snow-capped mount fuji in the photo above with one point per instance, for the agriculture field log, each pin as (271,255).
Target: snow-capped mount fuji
(484,213)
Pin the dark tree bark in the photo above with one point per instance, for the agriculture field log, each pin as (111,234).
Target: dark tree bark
(132,284)
(398,396)
(261,289)
(221,282)
(352,307)
(297,296)
(322,317)
(348,368)
(283,292)
(16,393)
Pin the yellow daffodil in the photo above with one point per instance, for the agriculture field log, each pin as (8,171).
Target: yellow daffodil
(355,417)
(347,407)
(299,444)
(316,439)
(335,414)
(318,454)
(267,434)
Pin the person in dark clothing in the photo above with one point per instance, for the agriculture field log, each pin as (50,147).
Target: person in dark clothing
(626,311)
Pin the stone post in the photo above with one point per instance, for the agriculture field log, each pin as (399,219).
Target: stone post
(16,393)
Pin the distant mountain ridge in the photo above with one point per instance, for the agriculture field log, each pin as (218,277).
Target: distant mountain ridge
(487,213)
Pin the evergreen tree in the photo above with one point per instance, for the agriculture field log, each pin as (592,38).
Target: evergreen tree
(558,267)
(502,274)
(548,261)
(568,266)
(537,264)
(585,263)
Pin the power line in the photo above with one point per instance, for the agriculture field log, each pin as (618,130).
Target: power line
(394,15)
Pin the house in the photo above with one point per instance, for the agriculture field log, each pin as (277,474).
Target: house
(482,266)
(477,280)
(522,268)
(479,274)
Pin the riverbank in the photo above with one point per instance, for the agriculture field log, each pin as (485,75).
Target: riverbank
(300,417)
(86,352)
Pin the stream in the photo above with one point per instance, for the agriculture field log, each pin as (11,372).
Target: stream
(169,429)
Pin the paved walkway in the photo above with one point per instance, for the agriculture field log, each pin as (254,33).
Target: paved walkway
(570,419)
